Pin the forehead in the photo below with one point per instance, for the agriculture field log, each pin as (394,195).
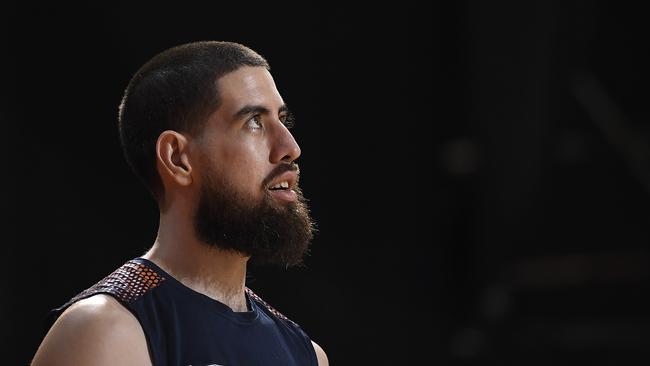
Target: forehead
(248,86)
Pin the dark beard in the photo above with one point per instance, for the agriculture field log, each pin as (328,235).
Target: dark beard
(268,232)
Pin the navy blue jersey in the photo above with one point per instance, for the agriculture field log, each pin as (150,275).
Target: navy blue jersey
(184,327)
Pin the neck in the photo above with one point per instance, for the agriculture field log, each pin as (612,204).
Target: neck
(214,272)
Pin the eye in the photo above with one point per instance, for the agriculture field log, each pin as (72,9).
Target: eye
(254,123)
(287,120)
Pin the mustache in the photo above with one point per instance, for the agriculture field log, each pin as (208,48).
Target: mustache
(291,167)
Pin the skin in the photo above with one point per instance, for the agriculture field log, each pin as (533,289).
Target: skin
(98,330)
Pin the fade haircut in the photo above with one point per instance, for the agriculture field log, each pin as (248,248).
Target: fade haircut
(175,90)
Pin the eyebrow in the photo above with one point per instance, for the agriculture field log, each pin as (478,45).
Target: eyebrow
(254,109)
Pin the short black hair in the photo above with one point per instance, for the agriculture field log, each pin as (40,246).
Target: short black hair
(175,90)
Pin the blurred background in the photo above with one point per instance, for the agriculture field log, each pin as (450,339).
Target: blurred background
(479,171)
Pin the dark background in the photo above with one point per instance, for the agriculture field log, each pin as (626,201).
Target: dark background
(479,171)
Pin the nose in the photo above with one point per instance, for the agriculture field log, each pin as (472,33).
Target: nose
(284,147)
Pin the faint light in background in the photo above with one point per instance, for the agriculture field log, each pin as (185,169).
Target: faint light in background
(460,157)
(608,117)
(578,269)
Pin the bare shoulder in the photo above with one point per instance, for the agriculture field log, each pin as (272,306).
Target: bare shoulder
(320,355)
(94,331)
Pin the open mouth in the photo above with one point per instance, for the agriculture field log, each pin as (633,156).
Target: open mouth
(280,186)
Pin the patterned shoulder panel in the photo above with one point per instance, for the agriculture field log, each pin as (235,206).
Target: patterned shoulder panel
(270,308)
(126,283)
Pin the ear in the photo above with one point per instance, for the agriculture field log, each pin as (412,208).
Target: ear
(172,158)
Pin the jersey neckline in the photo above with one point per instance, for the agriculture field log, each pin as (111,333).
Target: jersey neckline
(245,317)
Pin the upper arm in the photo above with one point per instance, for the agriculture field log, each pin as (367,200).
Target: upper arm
(95,331)
(320,355)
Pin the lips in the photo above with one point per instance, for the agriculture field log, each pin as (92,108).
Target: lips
(282,186)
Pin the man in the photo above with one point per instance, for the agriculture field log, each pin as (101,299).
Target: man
(206,130)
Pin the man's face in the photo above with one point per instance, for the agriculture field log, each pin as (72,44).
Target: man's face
(249,200)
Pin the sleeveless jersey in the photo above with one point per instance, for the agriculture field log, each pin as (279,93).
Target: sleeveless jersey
(186,328)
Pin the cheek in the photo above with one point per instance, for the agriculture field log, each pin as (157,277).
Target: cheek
(245,165)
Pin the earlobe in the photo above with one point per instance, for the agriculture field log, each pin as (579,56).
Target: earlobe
(173,159)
